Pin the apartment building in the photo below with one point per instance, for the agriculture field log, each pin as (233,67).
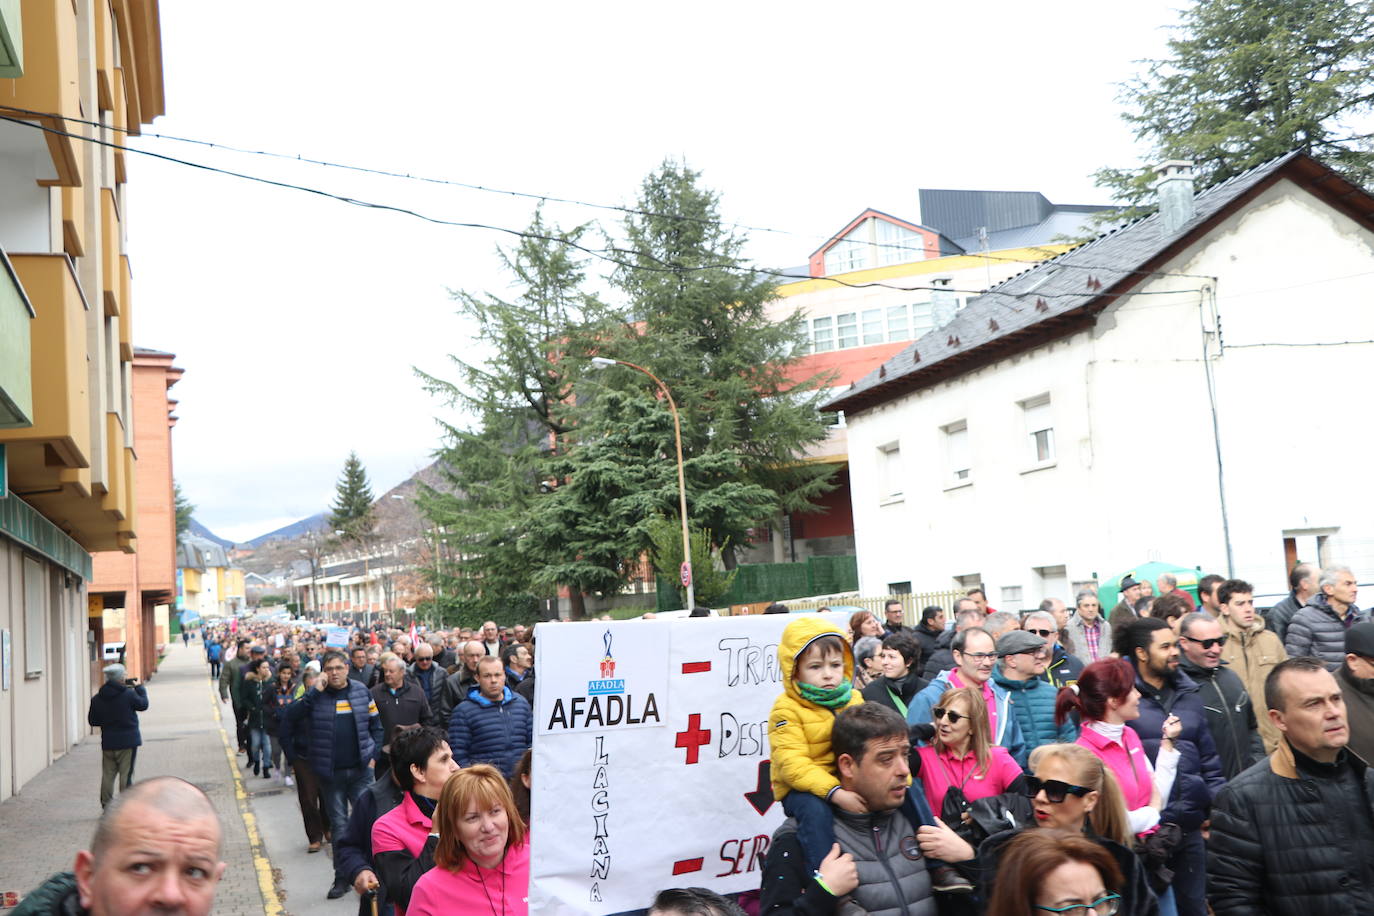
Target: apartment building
(74,77)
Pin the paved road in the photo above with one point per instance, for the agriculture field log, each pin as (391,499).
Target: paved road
(55,813)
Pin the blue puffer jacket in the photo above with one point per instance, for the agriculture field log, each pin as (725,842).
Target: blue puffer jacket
(307,726)
(1032,702)
(114,709)
(1200,775)
(483,731)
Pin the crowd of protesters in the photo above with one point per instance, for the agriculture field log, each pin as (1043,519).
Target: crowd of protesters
(1164,756)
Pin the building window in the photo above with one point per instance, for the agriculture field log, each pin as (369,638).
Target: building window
(822,334)
(890,472)
(873,326)
(1039,428)
(957,456)
(849,253)
(898,322)
(899,588)
(1011,599)
(898,244)
(846,331)
(921,320)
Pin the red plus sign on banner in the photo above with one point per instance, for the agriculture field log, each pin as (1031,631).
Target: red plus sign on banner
(693,738)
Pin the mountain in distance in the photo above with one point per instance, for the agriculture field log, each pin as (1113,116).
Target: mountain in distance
(317,522)
(200,530)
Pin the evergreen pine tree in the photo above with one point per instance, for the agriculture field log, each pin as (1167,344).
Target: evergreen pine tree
(1248,80)
(351,512)
(183,508)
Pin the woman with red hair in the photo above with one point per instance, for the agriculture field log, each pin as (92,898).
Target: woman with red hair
(1105,698)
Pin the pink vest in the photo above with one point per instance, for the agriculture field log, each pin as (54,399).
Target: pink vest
(1128,763)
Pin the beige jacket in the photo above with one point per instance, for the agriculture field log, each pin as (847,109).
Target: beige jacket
(1252,653)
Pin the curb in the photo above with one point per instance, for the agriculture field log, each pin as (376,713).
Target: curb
(261,864)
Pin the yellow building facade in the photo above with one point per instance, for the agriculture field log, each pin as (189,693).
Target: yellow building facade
(76,77)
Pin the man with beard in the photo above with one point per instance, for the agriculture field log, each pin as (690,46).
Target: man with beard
(1167,695)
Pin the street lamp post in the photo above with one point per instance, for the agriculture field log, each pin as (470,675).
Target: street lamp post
(687,578)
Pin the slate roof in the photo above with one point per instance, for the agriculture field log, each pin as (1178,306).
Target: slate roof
(1064,294)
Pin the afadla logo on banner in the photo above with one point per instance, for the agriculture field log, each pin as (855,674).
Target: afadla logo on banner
(651,759)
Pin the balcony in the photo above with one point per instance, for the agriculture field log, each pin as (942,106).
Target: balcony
(48,86)
(16,319)
(49,460)
(11,39)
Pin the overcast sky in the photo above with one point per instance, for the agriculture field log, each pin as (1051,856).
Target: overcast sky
(298,319)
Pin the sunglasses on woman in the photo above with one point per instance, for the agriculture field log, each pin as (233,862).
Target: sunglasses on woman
(939,712)
(1102,906)
(1055,790)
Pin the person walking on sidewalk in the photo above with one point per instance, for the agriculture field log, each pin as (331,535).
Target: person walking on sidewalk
(114,710)
(230,690)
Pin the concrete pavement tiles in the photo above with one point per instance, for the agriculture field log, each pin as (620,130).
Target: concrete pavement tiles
(54,815)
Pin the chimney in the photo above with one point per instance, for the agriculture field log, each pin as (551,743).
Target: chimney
(1174,188)
(944,303)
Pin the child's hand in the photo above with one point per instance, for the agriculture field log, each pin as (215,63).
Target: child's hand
(849,801)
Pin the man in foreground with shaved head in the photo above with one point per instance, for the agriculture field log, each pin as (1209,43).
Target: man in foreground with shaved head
(156,850)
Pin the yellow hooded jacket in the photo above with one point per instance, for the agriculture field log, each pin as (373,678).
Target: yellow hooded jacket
(799,730)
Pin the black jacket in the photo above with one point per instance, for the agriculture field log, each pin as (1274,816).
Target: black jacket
(407,706)
(353,850)
(882,689)
(114,710)
(928,639)
(942,659)
(1199,767)
(451,692)
(1064,668)
(1285,844)
(1230,716)
(1277,617)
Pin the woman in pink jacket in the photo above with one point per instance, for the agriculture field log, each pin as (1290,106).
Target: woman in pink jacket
(962,755)
(482,860)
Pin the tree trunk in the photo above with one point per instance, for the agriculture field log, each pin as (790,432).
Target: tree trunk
(577,606)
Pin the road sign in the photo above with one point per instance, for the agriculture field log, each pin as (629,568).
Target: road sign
(686,573)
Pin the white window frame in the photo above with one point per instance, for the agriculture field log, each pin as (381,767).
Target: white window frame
(890,474)
(958,451)
(1037,419)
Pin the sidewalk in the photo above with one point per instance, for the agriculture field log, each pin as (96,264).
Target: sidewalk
(54,815)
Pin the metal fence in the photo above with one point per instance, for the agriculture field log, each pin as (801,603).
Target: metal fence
(768,582)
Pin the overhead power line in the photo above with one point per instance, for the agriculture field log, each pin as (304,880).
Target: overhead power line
(551,198)
(610,254)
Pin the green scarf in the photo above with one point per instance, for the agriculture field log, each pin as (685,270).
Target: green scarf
(829,697)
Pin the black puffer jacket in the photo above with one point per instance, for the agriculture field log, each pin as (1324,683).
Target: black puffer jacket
(1230,716)
(1199,766)
(1318,630)
(1285,844)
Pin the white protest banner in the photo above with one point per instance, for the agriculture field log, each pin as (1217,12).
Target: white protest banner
(337,637)
(651,759)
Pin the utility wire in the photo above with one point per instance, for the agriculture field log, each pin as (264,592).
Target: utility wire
(629,211)
(610,254)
